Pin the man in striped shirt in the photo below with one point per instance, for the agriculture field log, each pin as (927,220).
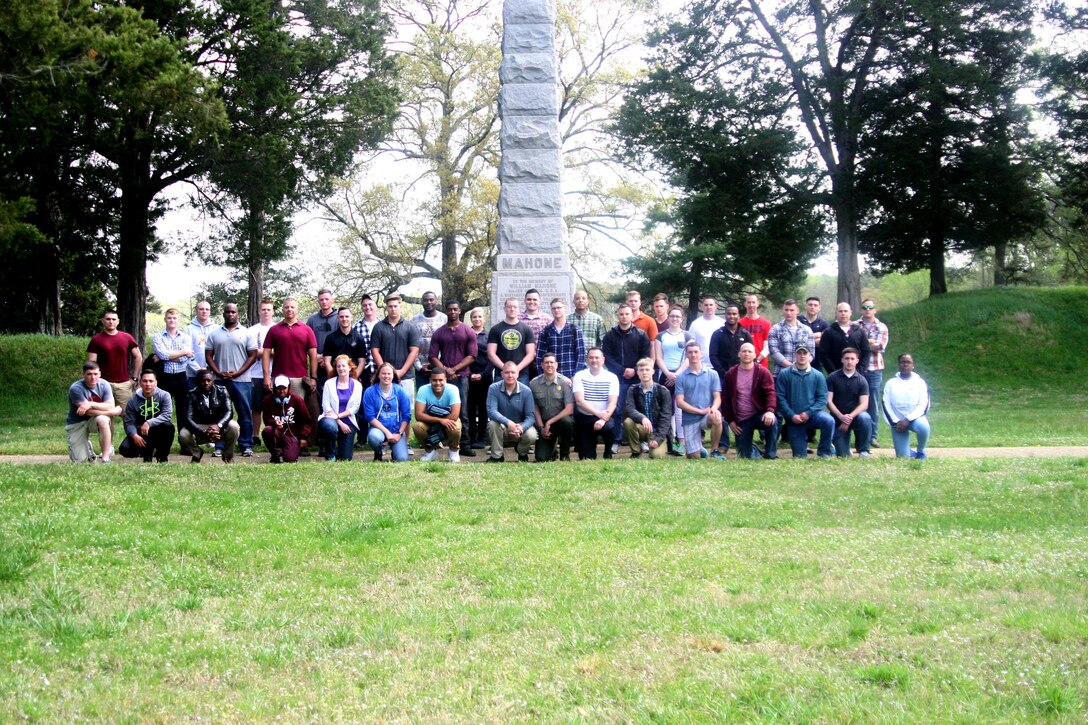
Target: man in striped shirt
(596,395)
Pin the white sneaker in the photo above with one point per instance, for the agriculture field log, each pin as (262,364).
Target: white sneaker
(615,448)
(455,456)
(644,447)
(429,455)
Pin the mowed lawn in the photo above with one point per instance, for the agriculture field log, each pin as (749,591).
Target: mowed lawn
(838,591)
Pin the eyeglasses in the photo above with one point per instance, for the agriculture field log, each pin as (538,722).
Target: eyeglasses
(868,307)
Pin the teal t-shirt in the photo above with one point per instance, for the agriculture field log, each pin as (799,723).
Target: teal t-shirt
(450,396)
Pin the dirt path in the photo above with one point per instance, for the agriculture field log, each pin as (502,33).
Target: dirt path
(1011,452)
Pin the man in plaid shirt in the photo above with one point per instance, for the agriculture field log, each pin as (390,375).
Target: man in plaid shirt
(562,339)
(877,332)
(590,323)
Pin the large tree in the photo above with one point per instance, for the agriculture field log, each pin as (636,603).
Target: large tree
(306,85)
(745,217)
(944,165)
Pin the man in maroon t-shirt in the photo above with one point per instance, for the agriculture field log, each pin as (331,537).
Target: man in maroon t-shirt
(453,349)
(111,349)
(290,349)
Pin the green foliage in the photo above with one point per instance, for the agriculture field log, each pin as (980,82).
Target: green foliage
(746,216)
(945,167)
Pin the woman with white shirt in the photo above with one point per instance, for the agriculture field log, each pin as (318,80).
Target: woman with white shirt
(340,400)
(906,401)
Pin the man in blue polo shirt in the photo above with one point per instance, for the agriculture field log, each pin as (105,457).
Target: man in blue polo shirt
(699,395)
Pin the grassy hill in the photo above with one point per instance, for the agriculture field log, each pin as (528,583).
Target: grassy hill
(1006,339)
(1005,367)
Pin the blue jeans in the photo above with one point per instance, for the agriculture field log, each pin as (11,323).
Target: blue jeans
(746,448)
(822,422)
(920,426)
(241,395)
(862,428)
(336,445)
(376,439)
(617,415)
(874,378)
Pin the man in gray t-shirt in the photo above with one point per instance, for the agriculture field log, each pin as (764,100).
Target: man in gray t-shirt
(90,411)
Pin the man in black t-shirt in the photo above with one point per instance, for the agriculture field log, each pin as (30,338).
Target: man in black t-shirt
(511,340)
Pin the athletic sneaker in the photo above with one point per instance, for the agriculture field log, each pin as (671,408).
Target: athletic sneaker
(429,455)
(718,455)
(864,454)
(247,453)
(615,448)
(644,447)
(91,455)
(917,455)
(455,457)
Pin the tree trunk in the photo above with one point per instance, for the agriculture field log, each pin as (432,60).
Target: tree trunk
(937,283)
(846,238)
(695,292)
(255,293)
(1000,250)
(132,265)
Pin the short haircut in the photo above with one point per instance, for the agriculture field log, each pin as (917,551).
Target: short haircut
(365,297)
(547,355)
(289,299)
(436,371)
(813,298)
(90,365)
(510,299)
(205,372)
(392,298)
(148,371)
(341,309)
(661,296)
(267,301)
(903,355)
(634,293)
(624,306)
(851,349)
(560,300)
(644,362)
(509,364)
(592,349)
(712,298)
(109,312)
(732,306)
(324,291)
(790,302)
(869,300)
(692,343)
(171,311)
(532,291)
(450,303)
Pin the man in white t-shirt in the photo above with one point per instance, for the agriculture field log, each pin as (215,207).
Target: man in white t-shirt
(702,327)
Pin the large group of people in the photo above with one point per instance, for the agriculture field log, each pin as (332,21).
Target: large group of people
(541,384)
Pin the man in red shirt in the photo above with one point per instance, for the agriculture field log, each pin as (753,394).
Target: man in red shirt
(111,349)
(758,327)
(290,349)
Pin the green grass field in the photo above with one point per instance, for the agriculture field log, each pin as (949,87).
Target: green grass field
(674,591)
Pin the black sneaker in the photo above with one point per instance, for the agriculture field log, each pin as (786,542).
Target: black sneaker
(198,453)
(467,451)
(523,459)
(493,460)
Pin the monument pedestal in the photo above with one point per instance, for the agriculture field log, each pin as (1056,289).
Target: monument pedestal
(549,274)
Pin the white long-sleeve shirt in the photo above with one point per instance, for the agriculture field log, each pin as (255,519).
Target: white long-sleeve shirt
(905,398)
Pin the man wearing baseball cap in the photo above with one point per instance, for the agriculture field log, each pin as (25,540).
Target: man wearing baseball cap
(802,396)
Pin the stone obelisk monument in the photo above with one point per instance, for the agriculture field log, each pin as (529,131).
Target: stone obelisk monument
(532,248)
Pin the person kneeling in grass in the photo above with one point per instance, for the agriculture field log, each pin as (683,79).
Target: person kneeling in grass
(438,417)
(147,422)
(288,424)
(388,411)
(208,418)
(647,414)
(906,401)
(90,411)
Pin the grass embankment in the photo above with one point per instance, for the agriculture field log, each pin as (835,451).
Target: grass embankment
(1007,367)
(952,591)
